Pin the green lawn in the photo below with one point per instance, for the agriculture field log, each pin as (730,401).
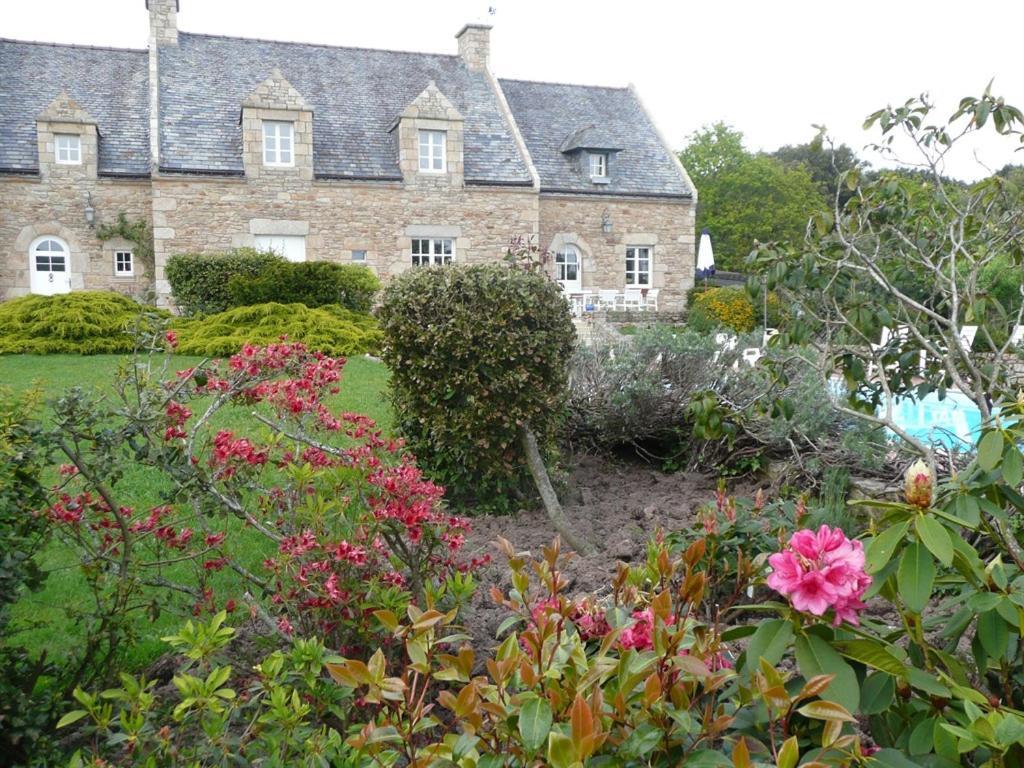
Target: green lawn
(40,618)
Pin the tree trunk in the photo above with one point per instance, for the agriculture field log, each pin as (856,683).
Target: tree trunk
(548,495)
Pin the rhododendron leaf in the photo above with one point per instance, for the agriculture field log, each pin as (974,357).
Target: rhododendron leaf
(769,642)
(922,737)
(872,654)
(882,547)
(990,450)
(892,758)
(926,682)
(72,717)
(966,508)
(1013,466)
(814,656)
(993,633)
(876,695)
(934,535)
(535,723)
(916,577)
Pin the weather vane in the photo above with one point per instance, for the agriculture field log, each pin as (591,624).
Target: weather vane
(492,10)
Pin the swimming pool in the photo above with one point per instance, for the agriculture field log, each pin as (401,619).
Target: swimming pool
(953,422)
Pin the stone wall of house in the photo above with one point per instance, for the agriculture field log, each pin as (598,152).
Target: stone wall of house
(31,207)
(337,217)
(666,226)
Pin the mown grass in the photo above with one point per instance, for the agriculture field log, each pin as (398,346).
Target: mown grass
(40,619)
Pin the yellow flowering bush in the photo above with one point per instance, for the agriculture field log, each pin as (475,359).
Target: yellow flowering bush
(722,307)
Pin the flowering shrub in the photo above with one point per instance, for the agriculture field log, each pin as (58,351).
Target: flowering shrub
(347,522)
(819,571)
(723,308)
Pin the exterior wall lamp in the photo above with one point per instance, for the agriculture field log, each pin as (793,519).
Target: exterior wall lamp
(90,212)
(606,223)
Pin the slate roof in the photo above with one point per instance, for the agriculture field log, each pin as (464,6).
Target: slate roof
(548,116)
(356,94)
(111,84)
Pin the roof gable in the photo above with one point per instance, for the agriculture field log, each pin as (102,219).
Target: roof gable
(276,93)
(108,85)
(432,104)
(556,119)
(64,109)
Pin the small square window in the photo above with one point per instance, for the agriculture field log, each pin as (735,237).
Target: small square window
(358,255)
(432,151)
(638,266)
(278,143)
(69,149)
(598,166)
(124,264)
(436,253)
(291,247)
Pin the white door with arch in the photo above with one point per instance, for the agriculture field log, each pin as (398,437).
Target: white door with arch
(569,269)
(49,266)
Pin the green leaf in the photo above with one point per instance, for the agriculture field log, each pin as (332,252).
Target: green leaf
(789,754)
(561,752)
(990,450)
(892,758)
(1013,466)
(873,654)
(926,682)
(877,693)
(535,723)
(916,577)
(922,737)
(769,642)
(71,717)
(935,536)
(882,547)
(814,656)
(826,710)
(993,633)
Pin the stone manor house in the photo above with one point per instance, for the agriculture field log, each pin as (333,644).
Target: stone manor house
(387,158)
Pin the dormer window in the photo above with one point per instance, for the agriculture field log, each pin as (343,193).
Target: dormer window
(432,154)
(598,165)
(278,143)
(68,148)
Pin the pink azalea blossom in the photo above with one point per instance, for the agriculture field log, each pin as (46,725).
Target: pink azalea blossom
(820,570)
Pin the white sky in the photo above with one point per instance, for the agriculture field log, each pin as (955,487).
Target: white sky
(771,69)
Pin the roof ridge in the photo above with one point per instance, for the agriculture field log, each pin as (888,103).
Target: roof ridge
(318,45)
(74,45)
(571,85)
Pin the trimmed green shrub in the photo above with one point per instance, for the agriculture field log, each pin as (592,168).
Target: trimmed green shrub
(79,323)
(474,352)
(313,283)
(199,281)
(332,330)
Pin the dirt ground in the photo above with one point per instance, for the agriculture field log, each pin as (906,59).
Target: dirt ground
(615,505)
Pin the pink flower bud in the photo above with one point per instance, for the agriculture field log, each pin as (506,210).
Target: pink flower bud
(919,485)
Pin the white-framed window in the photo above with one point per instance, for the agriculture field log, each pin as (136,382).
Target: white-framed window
(68,148)
(124,264)
(436,251)
(567,265)
(292,247)
(359,256)
(638,266)
(432,154)
(278,143)
(598,165)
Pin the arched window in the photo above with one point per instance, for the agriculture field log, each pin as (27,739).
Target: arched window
(49,265)
(568,269)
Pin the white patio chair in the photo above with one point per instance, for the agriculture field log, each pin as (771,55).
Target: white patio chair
(633,298)
(750,356)
(651,300)
(726,341)
(966,335)
(608,299)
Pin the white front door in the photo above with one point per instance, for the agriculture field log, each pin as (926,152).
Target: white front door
(49,267)
(569,269)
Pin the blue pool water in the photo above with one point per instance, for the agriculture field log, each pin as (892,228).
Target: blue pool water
(954,421)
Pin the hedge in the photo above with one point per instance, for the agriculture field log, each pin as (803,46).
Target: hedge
(313,283)
(82,322)
(474,351)
(331,329)
(199,281)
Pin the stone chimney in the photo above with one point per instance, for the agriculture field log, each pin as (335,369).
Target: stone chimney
(475,46)
(163,22)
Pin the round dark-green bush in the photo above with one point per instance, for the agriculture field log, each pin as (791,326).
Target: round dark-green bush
(476,351)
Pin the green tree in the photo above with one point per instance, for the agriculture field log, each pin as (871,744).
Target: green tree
(744,197)
(825,163)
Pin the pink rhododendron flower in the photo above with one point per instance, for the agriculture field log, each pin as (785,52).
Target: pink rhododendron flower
(919,483)
(822,570)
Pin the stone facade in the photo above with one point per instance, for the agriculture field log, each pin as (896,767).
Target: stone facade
(343,215)
(666,227)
